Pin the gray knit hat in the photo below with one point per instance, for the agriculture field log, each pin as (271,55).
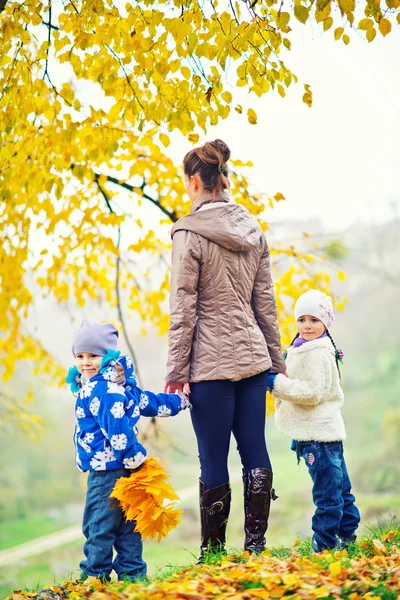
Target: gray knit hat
(96,338)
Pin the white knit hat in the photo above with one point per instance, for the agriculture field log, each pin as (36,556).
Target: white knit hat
(316,304)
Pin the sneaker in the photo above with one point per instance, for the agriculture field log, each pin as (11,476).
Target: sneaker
(345,541)
(317,549)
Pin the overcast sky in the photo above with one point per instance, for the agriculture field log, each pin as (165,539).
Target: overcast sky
(338,160)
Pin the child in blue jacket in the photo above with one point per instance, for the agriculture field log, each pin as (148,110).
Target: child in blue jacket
(107,446)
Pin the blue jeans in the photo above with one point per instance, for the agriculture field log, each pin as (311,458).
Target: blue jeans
(336,515)
(223,407)
(105,528)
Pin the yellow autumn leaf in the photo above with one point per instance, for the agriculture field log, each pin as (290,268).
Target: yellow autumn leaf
(301,13)
(341,275)
(335,568)
(287,43)
(379,548)
(67,92)
(281,90)
(165,139)
(278,197)
(251,116)
(227,97)
(328,23)
(365,24)
(283,19)
(321,592)
(371,33)
(346,39)
(338,33)
(385,26)
(322,15)
(193,137)
(239,109)
(389,536)
(185,72)
(307,99)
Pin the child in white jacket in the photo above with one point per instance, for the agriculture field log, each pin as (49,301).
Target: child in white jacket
(308,404)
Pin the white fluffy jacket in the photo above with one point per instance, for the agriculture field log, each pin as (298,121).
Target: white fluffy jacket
(308,402)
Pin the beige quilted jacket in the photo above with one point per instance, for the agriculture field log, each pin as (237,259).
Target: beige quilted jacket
(223,311)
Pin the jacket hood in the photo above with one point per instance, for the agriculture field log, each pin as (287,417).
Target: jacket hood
(227,224)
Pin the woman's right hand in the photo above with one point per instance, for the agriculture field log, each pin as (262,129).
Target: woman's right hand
(171,387)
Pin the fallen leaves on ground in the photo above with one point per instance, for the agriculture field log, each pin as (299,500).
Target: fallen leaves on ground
(328,575)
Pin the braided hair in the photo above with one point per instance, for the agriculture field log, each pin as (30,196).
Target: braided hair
(337,354)
(291,344)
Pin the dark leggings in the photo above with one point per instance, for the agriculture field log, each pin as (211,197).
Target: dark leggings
(223,407)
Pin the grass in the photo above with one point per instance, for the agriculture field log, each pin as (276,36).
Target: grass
(18,531)
(38,571)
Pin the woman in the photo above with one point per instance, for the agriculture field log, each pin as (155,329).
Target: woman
(223,341)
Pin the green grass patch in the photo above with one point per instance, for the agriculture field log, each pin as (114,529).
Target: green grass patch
(18,531)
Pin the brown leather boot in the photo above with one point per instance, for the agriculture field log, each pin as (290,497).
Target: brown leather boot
(215,505)
(258,493)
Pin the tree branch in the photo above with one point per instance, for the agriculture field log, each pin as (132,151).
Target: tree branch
(46,71)
(2,5)
(171,214)
(51,26)
(121,64)
(117,290)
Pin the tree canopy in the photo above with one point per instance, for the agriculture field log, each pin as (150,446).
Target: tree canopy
(90,93)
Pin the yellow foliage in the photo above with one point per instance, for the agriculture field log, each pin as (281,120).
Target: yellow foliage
(67,164)
(142,498)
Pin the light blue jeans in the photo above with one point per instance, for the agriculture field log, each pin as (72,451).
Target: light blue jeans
(106,528)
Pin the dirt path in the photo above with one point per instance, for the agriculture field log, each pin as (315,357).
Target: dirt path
(74,533)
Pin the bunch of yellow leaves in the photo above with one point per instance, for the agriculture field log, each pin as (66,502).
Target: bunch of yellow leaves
(142,498)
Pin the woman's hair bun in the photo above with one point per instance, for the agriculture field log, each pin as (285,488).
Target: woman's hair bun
(221,148)
(209,161)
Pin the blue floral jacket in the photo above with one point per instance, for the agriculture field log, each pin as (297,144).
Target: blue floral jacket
(107,414)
